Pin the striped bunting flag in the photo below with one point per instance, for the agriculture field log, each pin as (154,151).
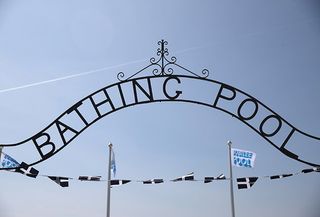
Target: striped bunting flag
(188,177)
(221,177)
(119,181)
(280,176)
(89,178)
(62,181)
(210,179)
(153,181)
(245,183)
(27,170)
(314,169)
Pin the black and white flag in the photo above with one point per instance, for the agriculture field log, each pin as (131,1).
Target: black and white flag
(62,181)
(153,181)
(221,177)
(188,177)
(280,176)
(89,178)
(314,169)
(119,182)
(210,179)
(27,170)
(245,183)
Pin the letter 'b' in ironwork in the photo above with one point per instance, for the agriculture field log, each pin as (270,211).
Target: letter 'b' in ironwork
(164,85)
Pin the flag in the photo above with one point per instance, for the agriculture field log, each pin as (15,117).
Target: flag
(6,161)
(242,158)
(89,178)
(314,169)
(245,183)
(153,181)
(62,181)
(280,176)
(210,179)
(113,163)
(220,177)
(27,170)
(119,182)
(188,177)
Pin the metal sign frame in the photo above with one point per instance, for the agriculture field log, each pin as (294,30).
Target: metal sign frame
(164,68)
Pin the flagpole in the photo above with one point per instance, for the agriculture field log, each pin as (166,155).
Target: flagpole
(109,183)
(231,179)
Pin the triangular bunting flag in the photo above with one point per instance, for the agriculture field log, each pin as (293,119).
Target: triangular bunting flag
(119,182)
(245,183)
(221,177)
(314,169)
(280,176)
(62,181)
(188,177)
(7,161)
(210,179)
(27,170)
(89,178)
(153,181)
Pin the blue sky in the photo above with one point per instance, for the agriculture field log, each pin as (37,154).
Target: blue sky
(269,49)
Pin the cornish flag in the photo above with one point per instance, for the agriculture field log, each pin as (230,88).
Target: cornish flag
(89,178)
(314,169)
(220,177)
(188,177)
(210,179)
(245,183)
(280,176)
(153,181)
(62,181)
(119,182)
(27,170)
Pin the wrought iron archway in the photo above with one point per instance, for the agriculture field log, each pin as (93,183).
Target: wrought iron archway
(133,90)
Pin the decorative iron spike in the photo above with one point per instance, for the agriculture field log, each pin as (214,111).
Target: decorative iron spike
(163,66)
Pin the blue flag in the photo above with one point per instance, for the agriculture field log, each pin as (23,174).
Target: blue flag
(113,164)
(242,158)
(6,161)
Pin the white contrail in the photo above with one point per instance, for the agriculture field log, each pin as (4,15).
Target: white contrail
(69,76)
(239,37)
(85,73)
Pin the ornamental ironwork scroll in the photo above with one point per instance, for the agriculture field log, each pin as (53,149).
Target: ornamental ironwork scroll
(165,85)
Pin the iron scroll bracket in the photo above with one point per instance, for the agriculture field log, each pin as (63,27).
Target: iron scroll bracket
(163,66)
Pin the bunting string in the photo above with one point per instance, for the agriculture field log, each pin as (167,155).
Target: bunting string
(8,162)
(242,182)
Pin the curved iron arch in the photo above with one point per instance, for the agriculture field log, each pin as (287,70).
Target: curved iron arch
(142,92)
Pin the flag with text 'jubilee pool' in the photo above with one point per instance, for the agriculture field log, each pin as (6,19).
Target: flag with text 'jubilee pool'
(7,161)
(242,158)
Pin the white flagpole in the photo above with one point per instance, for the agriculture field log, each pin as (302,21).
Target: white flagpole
(231,180)
(109,182)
